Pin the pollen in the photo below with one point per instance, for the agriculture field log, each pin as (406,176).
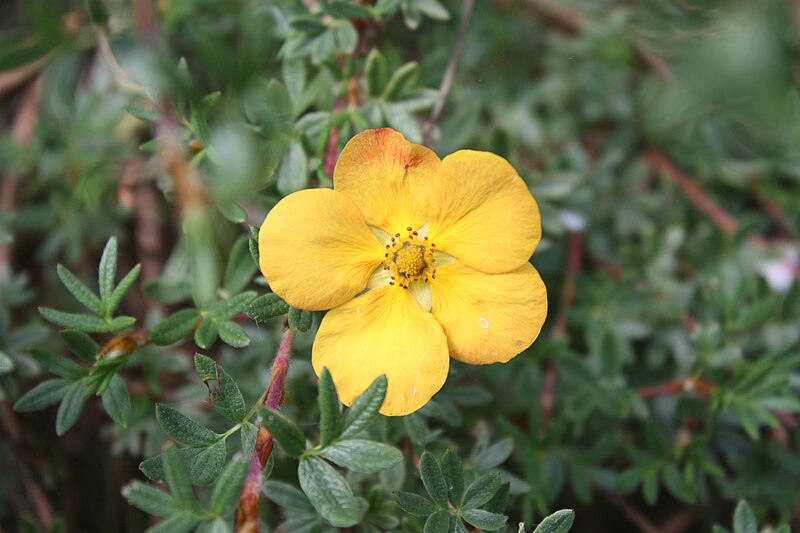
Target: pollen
(410,260)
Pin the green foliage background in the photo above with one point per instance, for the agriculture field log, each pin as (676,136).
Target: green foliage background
(659,138)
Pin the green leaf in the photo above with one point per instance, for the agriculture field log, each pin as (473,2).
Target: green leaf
(676,484)
(117,401)
(122,289)
(267,306)
(363,455)
(496,454)
(121,322)
(70,409)
(107,271)
(376,72)
(182,428)
(558,522)
(365,408)
(43,395)
(206,463)
(434,10)
(347,10)
(147,114)
(484,519)
(401,80)
(80,344)
(179,523)
(481,491)
(401,120)
(6,364)
(384,8)
(206,333)
(233,334)
(299,319)
(329,417)
(285,431)
(81,292)
(248,434)
(85,323)
(293,172)
(415,504)
(287,496)
(224,393)
(233,212)
(328,492)
(252,243)
(453,473)
(53,362)
(437,522)
(226,491)
(149,499)
(307,24)
(240,269)
(744,520)
(174,327)
(176,473)
(433,479)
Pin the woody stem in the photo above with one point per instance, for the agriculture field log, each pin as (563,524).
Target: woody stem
(247,510)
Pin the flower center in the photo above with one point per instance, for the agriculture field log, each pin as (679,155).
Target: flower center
(409,259)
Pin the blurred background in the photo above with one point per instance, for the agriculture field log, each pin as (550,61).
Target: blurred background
(661,139)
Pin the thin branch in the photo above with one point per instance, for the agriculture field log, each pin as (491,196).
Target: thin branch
(247,510)
(699,385)
(694,193)
(450,70)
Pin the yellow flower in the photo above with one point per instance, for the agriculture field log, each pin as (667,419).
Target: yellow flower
(442,246)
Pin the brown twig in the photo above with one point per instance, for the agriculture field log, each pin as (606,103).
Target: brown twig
(693,191)
(450,70)
(699,385)
(247,510)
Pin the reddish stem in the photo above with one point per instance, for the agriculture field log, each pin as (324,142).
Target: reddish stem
(694,193)
(247,510)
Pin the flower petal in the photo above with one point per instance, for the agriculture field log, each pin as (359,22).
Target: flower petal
(387,177)
(316,250)
(384,331)
(482,212)
(488,318)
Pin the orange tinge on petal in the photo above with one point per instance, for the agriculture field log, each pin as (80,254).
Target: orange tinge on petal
(387,177)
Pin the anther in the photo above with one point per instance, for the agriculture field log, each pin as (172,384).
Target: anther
(396,234)
(409,228)
(433,245)
(391,283)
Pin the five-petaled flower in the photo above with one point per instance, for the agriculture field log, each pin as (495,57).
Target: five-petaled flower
(442,247)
